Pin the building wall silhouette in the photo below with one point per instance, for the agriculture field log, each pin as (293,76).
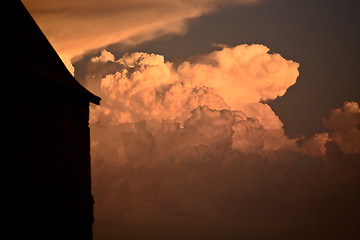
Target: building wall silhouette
(46,178)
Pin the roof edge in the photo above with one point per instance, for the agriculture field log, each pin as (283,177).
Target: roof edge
(29,48)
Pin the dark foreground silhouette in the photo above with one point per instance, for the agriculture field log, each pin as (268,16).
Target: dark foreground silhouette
(45,174)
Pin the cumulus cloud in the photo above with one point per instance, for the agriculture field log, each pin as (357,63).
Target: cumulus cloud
(344,127)
(191,152)
(74,27)
(248,74)
(221,79)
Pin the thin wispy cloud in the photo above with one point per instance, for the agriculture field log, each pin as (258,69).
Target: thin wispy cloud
(75,27)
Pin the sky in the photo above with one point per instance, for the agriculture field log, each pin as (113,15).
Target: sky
(219,119)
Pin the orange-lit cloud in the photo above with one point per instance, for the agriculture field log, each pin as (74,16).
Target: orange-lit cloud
(74,27)
(344,127)
(148,88)
(190,150)
(248,74)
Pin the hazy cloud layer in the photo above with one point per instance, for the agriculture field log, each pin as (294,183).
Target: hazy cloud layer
(189,152)
(74,27)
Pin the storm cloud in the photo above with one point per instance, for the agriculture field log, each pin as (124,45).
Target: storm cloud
(193,152)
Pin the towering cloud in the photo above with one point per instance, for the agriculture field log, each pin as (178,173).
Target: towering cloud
(191,152)
(74,27)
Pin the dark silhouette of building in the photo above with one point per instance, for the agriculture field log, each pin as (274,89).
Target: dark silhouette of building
(45,173)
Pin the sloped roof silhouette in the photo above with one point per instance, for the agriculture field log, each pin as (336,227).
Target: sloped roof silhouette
(24,44)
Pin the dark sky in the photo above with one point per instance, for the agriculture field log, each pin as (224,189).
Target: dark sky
(322,35)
